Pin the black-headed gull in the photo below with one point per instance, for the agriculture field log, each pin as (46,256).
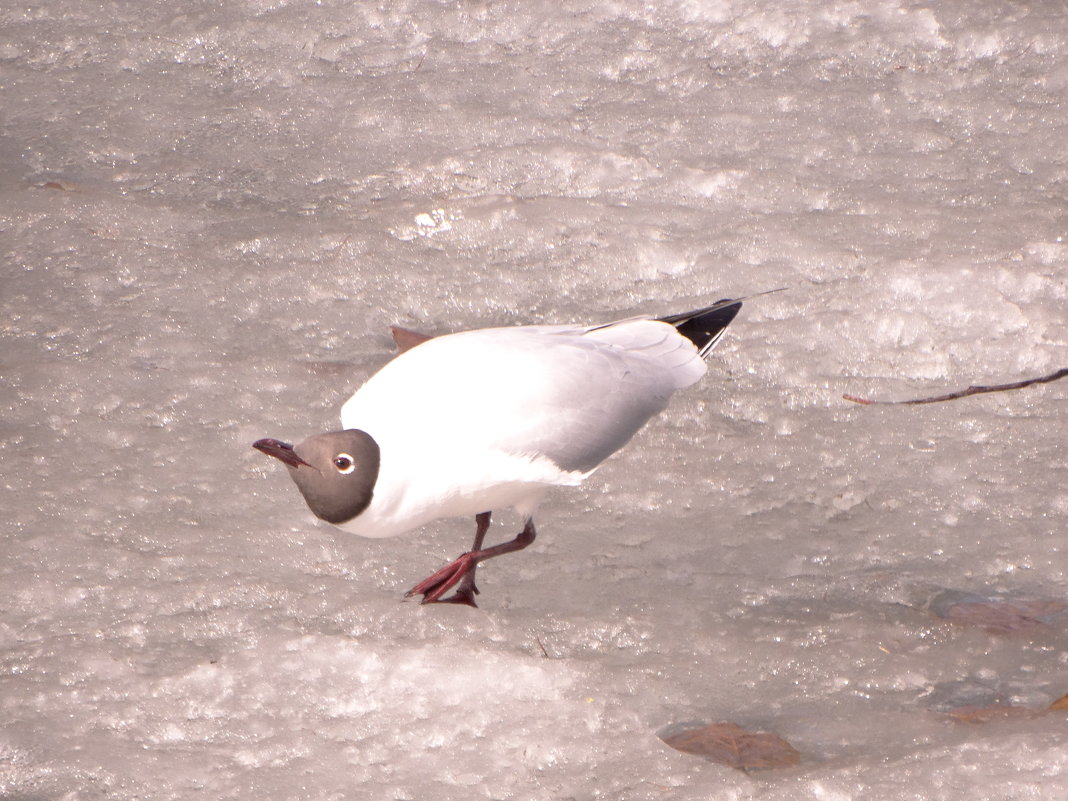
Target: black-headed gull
(467,423)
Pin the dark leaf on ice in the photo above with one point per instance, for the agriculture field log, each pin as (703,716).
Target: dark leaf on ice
(986,714)
(1002,616)
(730,744)
(1060,704)
(406,339)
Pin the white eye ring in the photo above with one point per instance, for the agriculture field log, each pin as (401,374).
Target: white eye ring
(344,463)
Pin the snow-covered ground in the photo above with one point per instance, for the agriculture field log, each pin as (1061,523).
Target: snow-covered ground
(210,213)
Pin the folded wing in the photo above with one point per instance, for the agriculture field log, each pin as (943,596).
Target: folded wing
(570,395)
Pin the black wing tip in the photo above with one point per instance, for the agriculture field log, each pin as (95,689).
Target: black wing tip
(704,327)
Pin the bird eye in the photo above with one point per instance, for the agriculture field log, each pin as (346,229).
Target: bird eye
(344,463)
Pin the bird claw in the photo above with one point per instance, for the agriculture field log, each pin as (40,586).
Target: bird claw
(436,585)
(462,596)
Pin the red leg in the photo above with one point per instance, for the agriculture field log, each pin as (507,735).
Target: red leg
(466,590)
(462,569)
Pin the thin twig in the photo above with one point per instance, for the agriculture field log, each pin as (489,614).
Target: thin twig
(541,647)
(964,393)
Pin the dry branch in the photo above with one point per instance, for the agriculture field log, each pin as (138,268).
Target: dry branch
(964,393)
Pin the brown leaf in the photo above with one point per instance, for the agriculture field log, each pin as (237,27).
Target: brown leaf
(1002,616)
(985,714)
(407,339)
(730,744)
(1059,704)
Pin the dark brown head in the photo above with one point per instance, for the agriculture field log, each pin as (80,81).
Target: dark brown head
(335,472)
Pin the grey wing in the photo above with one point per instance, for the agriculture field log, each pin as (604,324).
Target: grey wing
(588,401)
(572,396)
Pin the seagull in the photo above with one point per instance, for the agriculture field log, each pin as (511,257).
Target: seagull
(467,423)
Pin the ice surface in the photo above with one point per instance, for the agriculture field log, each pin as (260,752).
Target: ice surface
(212,212)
